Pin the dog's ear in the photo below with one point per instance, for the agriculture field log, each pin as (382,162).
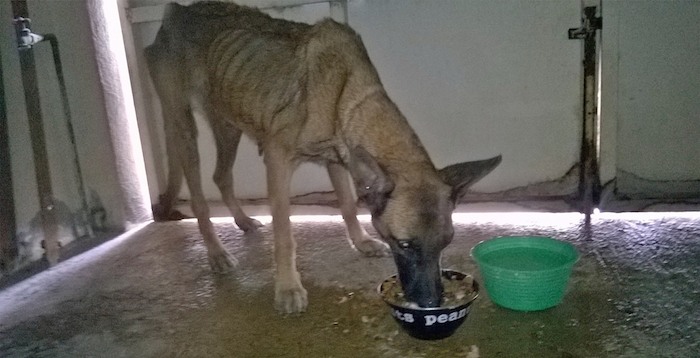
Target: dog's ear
(371,181)
(462,175)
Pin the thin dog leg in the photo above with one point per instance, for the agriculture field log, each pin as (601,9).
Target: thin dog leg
(169,79)
(359,237)
(163,210)
(168,83)
(188,155)
(290,295)
(227,137)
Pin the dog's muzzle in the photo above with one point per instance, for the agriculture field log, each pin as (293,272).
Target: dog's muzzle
(421,282)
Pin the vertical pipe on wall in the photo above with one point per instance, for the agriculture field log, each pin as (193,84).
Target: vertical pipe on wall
(8,224)
(589,180)
(38,139)
(85,221)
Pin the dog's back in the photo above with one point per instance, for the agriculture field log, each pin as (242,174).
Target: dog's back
(267,75)
(231,54)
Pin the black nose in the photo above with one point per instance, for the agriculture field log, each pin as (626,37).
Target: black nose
(425,294)
(429,302)
(420,278)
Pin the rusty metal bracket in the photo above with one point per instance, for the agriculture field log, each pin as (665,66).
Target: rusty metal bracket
(589,25)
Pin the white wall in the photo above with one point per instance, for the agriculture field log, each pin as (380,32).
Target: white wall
(478,78)
(651,97)
(69,21)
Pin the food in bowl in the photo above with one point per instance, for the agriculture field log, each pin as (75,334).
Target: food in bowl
(457,290)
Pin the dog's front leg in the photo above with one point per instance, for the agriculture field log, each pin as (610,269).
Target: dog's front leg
(359,237)
(290,295)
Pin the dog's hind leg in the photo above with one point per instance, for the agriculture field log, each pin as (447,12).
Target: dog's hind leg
(169,78)
(163,210)
(188,155)
(227,138)
(290,295)
(359,237)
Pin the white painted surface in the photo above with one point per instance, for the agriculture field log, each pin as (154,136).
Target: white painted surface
(651,96)
(474,78)
(121,115)
(477,78)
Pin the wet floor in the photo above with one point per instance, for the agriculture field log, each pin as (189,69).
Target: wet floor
(633,293)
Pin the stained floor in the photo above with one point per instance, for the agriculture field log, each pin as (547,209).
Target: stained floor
(634,293)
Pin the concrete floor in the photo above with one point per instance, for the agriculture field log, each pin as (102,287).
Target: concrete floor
(150,293)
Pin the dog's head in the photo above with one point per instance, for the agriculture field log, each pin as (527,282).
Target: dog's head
(415,218)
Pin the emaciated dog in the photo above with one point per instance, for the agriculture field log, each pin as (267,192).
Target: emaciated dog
(303,93)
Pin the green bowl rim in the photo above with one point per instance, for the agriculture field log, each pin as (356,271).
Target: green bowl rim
(568,245)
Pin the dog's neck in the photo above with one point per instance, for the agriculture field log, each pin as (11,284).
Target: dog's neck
(377,125)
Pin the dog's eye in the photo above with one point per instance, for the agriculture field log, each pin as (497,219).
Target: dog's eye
(404,244)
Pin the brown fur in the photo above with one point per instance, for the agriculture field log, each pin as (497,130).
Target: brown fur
(304,93)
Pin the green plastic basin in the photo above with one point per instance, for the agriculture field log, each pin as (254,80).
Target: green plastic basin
(525,273)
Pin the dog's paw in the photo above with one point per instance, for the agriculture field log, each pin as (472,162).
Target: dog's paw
(290,297)
(161,213)
(372,248)
(247,223)
(222,261)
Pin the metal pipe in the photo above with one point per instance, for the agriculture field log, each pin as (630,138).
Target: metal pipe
(589,183)
(38,137)
(8,223)
(86,219)
(26,40)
